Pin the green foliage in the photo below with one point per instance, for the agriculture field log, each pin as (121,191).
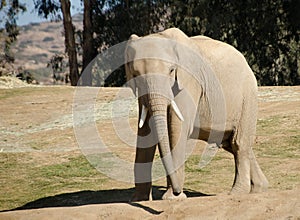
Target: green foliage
(48,8)
(25,75)
(123,18)
(58,66)
(115,20)
(266,32)
(47,39)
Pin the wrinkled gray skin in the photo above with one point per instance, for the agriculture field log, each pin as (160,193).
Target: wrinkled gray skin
(216,94)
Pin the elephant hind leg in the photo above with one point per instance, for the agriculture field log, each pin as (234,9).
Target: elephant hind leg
(242,179)
(248,175)
(259,182)
(241,143)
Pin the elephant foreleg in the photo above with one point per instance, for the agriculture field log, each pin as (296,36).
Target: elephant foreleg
(168,195)
(143,164)
(142,173)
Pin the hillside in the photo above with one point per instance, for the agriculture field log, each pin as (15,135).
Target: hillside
(37,43)
(45,175)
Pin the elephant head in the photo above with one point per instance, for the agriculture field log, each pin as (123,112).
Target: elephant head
(152,71)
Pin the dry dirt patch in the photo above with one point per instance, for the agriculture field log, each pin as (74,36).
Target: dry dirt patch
(275,205)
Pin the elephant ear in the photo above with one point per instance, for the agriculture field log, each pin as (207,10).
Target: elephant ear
(174,33)
(128,62)
(189,65)
(178,80)
(185,60)
(130,79)
(183,79)
(134,37)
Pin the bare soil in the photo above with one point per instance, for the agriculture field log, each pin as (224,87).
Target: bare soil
(36,123)
(271,205)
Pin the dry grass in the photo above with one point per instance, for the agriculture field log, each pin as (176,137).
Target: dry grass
(40,157)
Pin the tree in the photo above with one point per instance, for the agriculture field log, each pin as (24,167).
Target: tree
(58,66)
(8,34)
(70,41)
(108,22)
(265,31)
(116,20)
(52,8)
(88,47)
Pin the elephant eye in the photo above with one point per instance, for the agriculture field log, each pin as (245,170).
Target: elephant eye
(134,74)
(172,69)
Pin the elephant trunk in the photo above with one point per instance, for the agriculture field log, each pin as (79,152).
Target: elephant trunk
(158,110)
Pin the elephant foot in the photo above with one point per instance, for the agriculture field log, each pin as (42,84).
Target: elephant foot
(138,197)
(259,187)
(238,189)
(168,195)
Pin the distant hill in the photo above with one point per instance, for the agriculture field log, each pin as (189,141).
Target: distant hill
(37,43)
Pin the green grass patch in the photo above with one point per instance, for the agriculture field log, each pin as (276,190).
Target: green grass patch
(24,181)
(279,137)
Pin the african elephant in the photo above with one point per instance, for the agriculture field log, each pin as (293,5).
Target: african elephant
(191,87)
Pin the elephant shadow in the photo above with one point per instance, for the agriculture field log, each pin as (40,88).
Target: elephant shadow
(88,197)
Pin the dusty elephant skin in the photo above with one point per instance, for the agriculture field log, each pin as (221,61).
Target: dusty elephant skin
(191,88)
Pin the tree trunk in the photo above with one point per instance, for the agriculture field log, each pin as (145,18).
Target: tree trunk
(89,51)
(70,41)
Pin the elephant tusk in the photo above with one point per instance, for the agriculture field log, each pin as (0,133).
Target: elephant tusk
(143,116)
(176,109)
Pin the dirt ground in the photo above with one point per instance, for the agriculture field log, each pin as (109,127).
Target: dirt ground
(272,205)
(33,119)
